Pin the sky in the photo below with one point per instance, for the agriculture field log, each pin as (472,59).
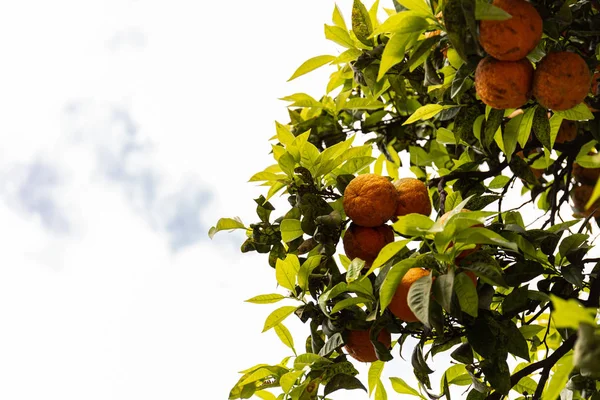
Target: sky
(129,128)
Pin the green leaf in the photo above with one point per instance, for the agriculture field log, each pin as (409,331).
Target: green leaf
(419,295)
(404,22)
(264,395)
(580,112)
(419,6)
(529,331)
(497,374)
(385,254)
(287,270)
(349,302)
(311,64)
(308,359)
(541,127)
(484,236)
(343,381)
(277,316)
(361,23)
(498,182)
(381,393)
(511,135)
(467,294)
(570,313)
(427,111)
(285,336)
(413,225)
(226,224)
(358,103)
(456,375)
(594,196)
(487,11)
(571,242)
(306,269)
(289,379)
(375,371)
(339,36)
(302,100)
(331,345)
(290,229)
(266,298)
(403,388)
(284,135)
(392,280)
(445,136)
(559,379)
(338,18)
(443,288)
(485,267)
(526,125)
(394,52)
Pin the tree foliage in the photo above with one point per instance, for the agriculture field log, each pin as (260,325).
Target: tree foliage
(405,85)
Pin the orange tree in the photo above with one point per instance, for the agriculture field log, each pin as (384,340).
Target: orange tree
(475,94)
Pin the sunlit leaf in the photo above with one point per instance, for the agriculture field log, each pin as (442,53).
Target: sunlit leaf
(226,224)
(277,316)
(311,64)
(266,298)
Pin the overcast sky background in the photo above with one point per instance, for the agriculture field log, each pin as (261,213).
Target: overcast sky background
(128,128)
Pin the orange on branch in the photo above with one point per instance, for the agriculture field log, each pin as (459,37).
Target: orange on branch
(359,346)
(504,84)
(370,200)
(566,132)
(561,80)
(399,304)
(413,197)
(366,243)
(511,39)
(581,195)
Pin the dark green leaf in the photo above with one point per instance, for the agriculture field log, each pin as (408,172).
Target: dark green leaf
(497,374)
(331,345)
(343,381)
(463,354)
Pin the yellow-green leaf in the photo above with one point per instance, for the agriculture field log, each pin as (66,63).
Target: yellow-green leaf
(266,298)
(277,316)
(389,251)
(559,379)
(287,270)
(264,395)
(226,224)
(284,135)
(375,371)
(339,36)
(285,336)
(361,22)
(290,229)
(427,111)
(595,195)
(311,64)
(403,388)
(394,52)
(338,18)
(570,313)
(418,6)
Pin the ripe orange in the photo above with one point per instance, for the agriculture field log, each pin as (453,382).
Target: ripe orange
(366,243)
(399,304)
(370,200)
(566,132)
(561,80)
(504,84)
(511,39)
(359,346)
(413,197)
(580,196)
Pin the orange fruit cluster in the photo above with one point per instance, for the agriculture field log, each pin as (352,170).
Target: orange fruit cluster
(359,346)
(506,78)
(370,201)
(585,179)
